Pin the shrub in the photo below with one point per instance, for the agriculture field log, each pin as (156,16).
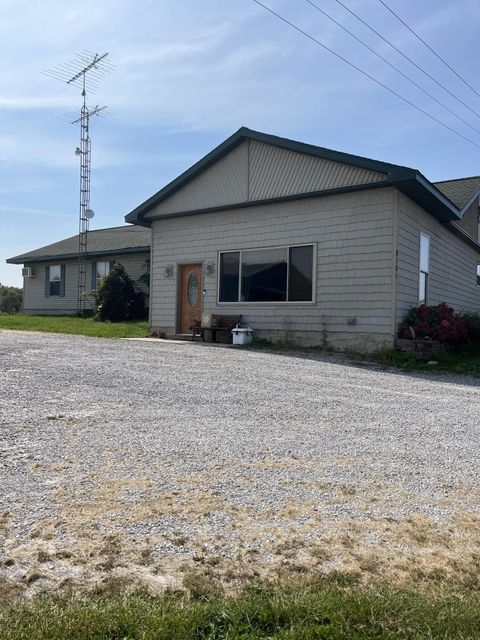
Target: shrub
(10,299)
(438,322)
(117,299)
(472,324)
(392,357)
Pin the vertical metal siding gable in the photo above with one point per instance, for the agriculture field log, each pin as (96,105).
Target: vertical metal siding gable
(277,172)
(224,183)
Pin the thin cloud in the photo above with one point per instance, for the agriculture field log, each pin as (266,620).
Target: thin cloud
(36,212)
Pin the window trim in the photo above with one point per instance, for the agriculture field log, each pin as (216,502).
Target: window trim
(269,303)
(478,274)
(95,278)
(420,270)
(48,281)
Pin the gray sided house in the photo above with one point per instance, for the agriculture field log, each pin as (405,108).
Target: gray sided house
(310,245)
(51,272)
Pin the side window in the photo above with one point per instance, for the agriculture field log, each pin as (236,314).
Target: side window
(54,282)
(99,271)
(424,269)
(478,275)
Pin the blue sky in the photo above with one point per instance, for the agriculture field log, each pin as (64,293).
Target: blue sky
(189,73)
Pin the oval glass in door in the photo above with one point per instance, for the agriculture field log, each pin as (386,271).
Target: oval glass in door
(192,289)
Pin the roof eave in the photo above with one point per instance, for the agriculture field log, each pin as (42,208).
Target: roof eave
(410,181)
(25,259)
(137,215)
(424,193)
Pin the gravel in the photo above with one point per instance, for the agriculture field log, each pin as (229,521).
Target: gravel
(200,451)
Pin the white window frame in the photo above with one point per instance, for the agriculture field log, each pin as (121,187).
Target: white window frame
(478,275)
(51,280)
(97,277)
(269,303)
(420,270)
(105,262)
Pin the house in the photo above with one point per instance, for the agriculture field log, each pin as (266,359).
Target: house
(50,281)
(311,246)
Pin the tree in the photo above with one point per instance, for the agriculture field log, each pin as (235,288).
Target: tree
(117,299)
(10,299)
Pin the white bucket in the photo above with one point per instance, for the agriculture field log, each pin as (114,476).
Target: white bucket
(242,335)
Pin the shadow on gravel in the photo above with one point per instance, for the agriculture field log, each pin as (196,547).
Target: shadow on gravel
(350,361)
(338,359)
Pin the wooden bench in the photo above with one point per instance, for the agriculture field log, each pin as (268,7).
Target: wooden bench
(222,325)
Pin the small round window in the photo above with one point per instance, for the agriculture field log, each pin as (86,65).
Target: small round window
(192,289)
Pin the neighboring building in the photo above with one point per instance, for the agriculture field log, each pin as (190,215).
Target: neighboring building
(50,286)
(308,244)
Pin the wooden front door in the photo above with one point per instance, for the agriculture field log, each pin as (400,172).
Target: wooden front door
(190,303)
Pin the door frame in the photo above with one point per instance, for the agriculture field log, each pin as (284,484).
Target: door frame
(178,294)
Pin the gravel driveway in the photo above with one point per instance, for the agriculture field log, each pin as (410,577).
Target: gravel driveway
(143,459)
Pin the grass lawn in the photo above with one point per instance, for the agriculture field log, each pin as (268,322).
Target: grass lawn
(308,610)
(465,361)
(74,325)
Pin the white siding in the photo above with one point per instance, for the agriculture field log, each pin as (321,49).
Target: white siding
(258,171)
(35,300)
(452,277)
(353,234)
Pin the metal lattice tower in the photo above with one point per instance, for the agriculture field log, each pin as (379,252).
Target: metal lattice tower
(94,67)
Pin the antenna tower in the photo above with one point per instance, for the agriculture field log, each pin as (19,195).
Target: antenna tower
(86,72)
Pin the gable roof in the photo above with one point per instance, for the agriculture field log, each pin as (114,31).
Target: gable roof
(110,241)
(461,191)
(408,180)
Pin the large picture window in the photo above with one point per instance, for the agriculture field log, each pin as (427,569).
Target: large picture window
(283,274)
(424,269)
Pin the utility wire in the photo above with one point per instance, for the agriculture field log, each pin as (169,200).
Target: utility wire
(429,47)
(415,84)
(365,73)
(404,55)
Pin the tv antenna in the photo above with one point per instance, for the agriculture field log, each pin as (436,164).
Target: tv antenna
(85,72)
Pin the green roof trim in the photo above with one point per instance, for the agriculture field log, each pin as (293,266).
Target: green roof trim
(408,180)
(259,203)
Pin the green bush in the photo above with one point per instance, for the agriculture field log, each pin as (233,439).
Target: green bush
(392,357)
(472,324)
(10,299)
(117,299)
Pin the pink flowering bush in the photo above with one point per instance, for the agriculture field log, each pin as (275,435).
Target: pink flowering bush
(438,322)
